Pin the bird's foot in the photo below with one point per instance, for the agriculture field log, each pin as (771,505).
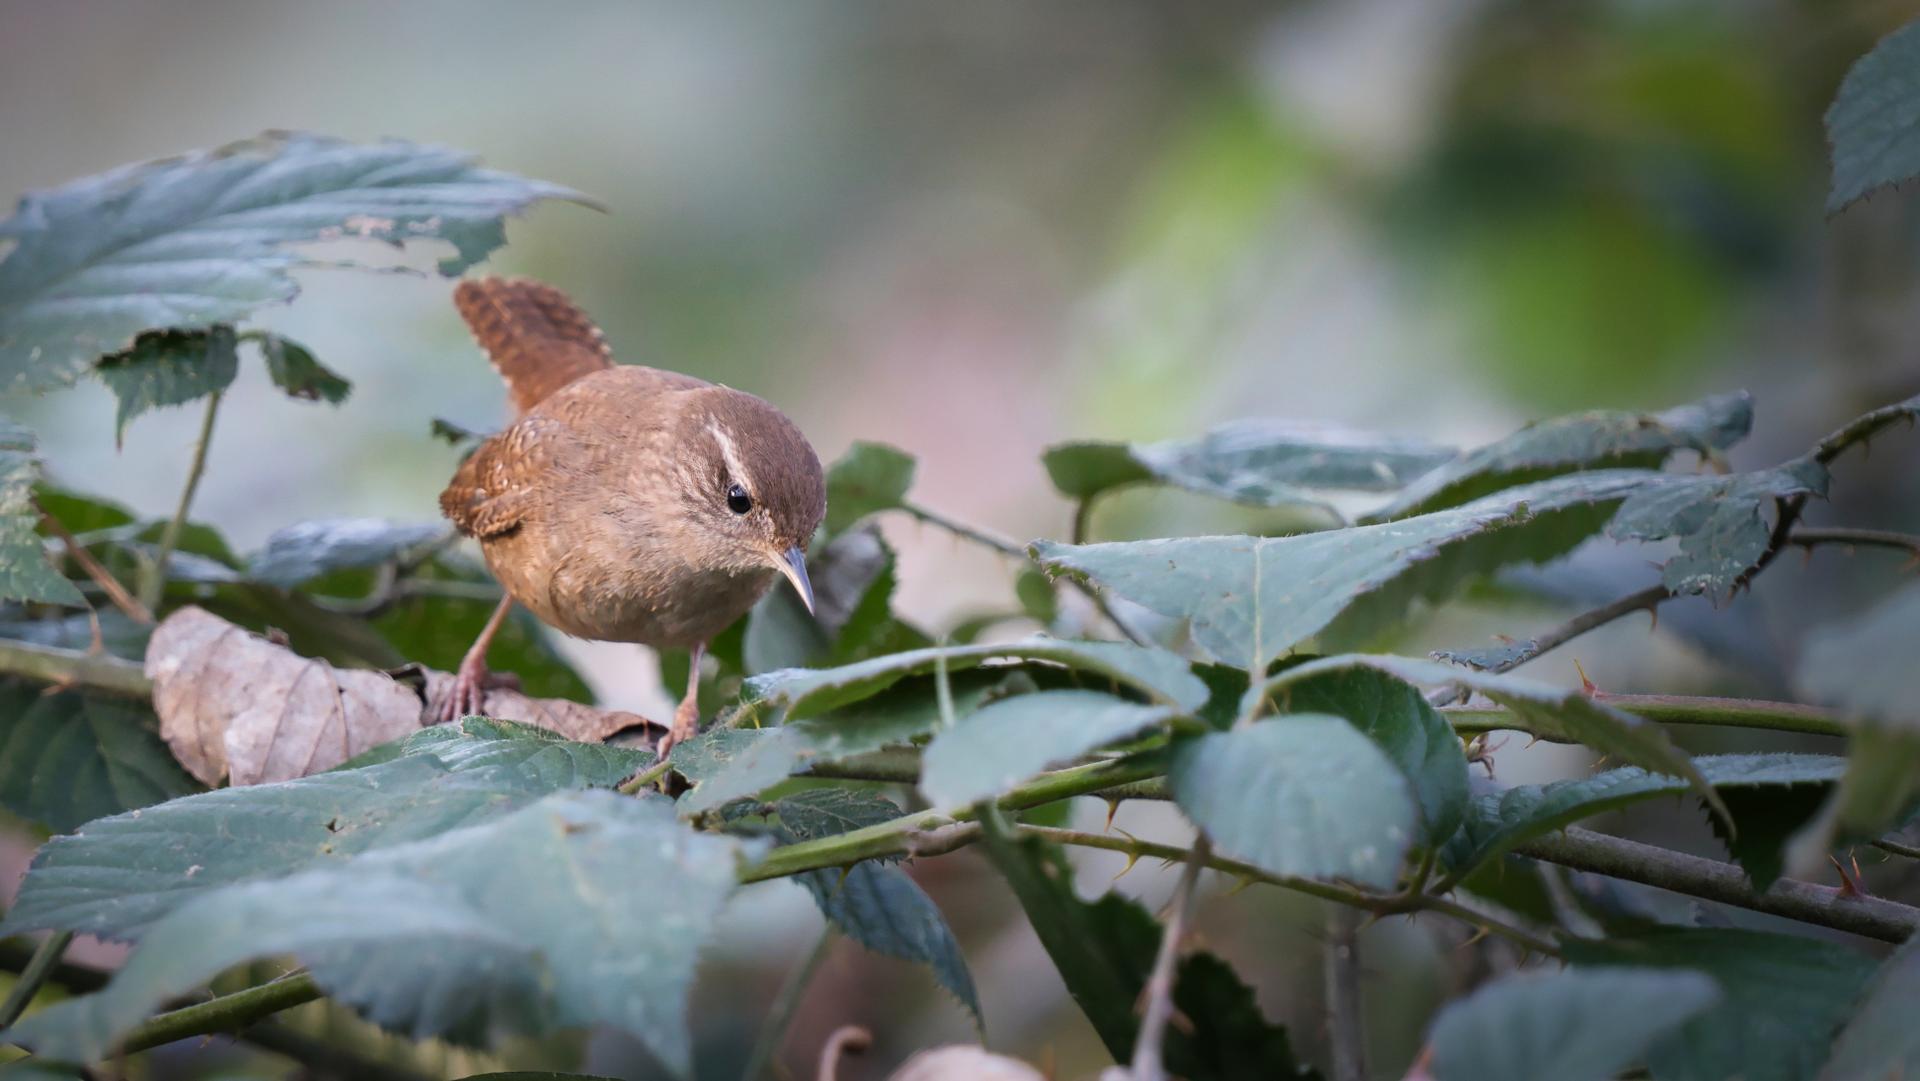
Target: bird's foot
(686,725)
(468,695)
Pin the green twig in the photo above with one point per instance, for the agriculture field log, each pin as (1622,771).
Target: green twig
(153,578)
(73,668)
(227,1013)
(639,781)
(46,957)
(922,833)
(785,1004)
(964,531)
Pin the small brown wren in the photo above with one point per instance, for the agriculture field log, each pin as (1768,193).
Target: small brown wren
(623,504)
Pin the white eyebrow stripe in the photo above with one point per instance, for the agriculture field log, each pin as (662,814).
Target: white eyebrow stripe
(727,453)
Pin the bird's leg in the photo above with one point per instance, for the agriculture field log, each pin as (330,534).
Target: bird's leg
(468,695)
(686,717)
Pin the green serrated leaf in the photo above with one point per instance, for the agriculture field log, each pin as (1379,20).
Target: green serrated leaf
(867,479)
(206,238)
(293,369)
(1565,715)
(1498,821)
(1606,439)
(1873,125)
(25,573)
(1567,1026)
(1301,795)
(1161,675)
(747,762)
(878,906)
(1010,741)
(1719,521)
(1782,997)
(1394,714)
(302,552)
(1104,950)
(1037,596)
(583,908)
(1251,599)
(72,757)
(166,367)
(121,874)
(1880,1040)
(1261,463)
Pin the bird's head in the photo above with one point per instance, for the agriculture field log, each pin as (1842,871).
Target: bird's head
(750,485)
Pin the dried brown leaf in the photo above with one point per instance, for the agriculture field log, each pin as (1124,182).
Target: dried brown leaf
(235,706)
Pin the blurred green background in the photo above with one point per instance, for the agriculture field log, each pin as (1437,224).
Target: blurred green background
(972,230)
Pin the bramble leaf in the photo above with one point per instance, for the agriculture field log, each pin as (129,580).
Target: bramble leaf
(869,478)
(1301,795)
(1104,950)
(168,367)
(1251,599)
(1262,463)
(582,908)
(190,242)
(298,553)
(1605,439)
(879,906)
(72,757)
(1782,997)
(121,874)
(1873,125)
(25,573)
(1569,1026)
(293,369)
(1719,521)
(1004,743)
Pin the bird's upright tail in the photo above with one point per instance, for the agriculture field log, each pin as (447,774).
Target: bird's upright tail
(538,340)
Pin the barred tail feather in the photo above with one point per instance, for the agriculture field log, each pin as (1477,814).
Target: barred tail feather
(538,340)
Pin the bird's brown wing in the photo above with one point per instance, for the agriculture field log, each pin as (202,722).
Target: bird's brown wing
(493,489)
(538,340)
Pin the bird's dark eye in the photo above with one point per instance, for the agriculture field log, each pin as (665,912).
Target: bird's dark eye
(738,501)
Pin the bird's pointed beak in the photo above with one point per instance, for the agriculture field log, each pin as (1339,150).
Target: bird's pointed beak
(793,564)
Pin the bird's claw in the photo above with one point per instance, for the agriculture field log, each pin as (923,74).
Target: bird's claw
(467,697)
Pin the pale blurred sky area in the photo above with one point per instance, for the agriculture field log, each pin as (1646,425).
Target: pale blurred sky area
(974,229)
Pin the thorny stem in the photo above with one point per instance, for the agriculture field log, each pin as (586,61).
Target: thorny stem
(46,957)
(1147,1057)
(328,1058)
(1862,428)
(153,578)
(101,576)
(1380,904)
(73,668)
(1672,709)
(785,1004)
(227,1013)
(1345,1020)
(1805,537)
(1826,906)
(639,781)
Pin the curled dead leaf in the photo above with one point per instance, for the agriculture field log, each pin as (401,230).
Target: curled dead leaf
(234,705)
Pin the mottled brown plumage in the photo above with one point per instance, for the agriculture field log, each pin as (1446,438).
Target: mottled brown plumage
(625,504)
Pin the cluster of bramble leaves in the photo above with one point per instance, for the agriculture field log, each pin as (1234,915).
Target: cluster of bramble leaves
(487,878)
